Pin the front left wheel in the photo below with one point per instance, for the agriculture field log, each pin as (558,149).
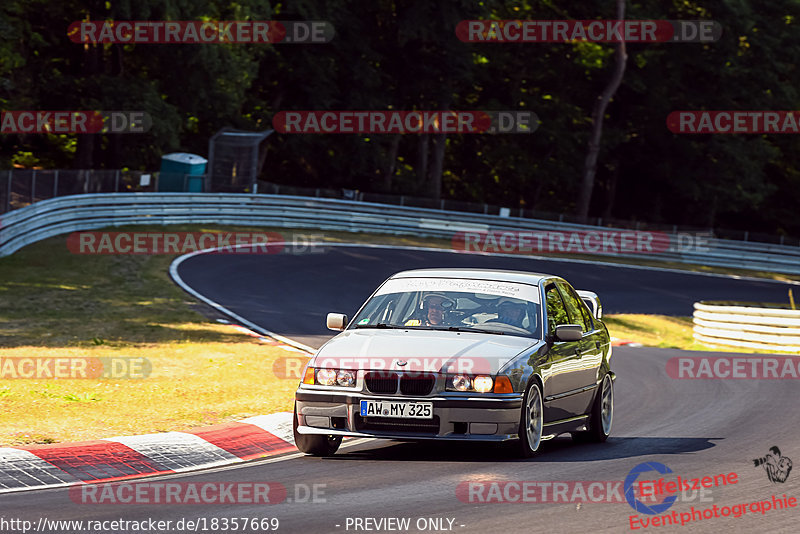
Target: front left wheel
(315,444)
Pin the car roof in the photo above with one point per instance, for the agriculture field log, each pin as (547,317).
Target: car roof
(522,277)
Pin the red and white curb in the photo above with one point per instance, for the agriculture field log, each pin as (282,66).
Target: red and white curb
(616,342)
(68,464)
(125,457)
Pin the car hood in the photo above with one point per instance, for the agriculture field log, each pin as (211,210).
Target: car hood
(423,350)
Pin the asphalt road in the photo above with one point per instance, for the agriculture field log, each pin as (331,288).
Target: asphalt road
(695,427)
(291,294)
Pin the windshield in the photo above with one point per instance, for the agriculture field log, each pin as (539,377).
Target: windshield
(450,304)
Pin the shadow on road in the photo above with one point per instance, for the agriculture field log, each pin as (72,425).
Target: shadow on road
(561,449)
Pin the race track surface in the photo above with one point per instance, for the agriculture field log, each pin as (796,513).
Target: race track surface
(695,427)
(291,294)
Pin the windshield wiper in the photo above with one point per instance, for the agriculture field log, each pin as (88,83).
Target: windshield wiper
(467,329)
(378,325)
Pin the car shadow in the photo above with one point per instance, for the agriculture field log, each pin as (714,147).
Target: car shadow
(561,449)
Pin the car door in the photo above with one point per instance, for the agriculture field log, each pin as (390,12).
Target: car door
(590,354)
(561,382)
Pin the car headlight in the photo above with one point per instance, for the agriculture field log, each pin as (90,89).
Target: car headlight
(483,384)
(461,383)
(330,377)
(326,377)
(346,378)
(478,384)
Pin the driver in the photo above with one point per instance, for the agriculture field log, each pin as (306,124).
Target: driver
(510,311)
(434,308)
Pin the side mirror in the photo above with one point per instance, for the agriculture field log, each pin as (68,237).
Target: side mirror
(336,321)
(569,332)
(592,302)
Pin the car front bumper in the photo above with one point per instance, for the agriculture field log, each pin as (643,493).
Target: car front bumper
(456,417)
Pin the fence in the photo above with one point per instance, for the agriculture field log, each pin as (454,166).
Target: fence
(488,209)
(751,327)
(21,187)
(86,212)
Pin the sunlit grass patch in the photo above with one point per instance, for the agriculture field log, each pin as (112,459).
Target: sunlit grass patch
(661,331)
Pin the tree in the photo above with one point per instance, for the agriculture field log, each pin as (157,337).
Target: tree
(600,105)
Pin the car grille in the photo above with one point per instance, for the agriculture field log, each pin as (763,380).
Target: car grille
(381,382)
(417,384)
(398,425)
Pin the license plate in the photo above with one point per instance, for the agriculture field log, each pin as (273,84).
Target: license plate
(407,410)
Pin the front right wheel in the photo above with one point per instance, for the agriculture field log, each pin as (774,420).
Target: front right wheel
(315,444)
(531,422)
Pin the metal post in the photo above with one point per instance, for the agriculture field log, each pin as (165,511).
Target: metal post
(485,209)
(55,185)
(401,200)
(254,166)
(8,197)
(560,217)
(116,182)
(441,205)
(782,236)
(746,233)
(33,186)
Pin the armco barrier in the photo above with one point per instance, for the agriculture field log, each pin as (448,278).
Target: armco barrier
(92,211)
(772,329)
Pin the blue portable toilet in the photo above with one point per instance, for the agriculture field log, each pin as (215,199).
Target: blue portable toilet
(181,172)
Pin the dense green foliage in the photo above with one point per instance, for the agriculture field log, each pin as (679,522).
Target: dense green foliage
(403,54)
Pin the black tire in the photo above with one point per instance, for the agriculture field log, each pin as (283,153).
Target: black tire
(315,444)
(531,422)
(602,415)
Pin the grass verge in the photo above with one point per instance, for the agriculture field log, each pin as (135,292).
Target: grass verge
(57,304)
(663,332)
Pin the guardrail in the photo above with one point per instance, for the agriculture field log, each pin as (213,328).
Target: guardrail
(89,212)
(751,327)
